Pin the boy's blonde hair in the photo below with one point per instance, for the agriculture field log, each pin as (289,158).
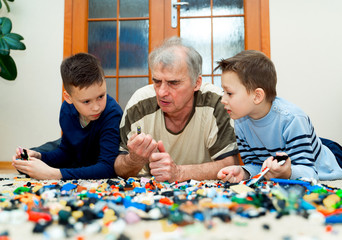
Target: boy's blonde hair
(255,70)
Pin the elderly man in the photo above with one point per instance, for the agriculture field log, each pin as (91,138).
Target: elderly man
(185,131)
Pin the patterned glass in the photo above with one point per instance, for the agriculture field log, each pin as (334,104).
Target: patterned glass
(134,8)
(227,7)
(229,37)
(111,87)
(133,47)
(127,86)
(102,8)
(195,8)
(197,32)
(102,43)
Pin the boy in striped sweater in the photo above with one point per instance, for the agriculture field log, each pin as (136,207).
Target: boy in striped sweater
(267,126)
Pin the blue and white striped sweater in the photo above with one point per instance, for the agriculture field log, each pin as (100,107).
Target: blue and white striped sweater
(286,128)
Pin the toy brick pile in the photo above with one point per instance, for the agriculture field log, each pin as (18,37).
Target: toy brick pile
(76,209)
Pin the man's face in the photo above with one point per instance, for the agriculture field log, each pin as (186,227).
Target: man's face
(174,88)
(90,102)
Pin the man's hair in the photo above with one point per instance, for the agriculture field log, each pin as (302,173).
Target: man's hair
(254,69)
(169,56)
(81,70)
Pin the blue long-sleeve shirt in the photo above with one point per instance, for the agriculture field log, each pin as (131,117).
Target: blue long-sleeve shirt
(90,152)
(286,128)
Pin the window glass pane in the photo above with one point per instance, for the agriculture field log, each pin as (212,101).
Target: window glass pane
(217,81)
(111,87)
(197,32)
(134,8)
(133,47)
(206,79)
(102,8)
(229,37)
(225,7)
(127,86)
(196,8)
(102,43)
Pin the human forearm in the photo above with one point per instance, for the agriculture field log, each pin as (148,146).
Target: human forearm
(126,167)
(298,171)
(55,174)
(205,171)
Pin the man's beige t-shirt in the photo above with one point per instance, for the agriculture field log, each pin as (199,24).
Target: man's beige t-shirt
(208,135)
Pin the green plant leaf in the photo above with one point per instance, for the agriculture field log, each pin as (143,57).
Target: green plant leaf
(13,43)
(15,36)
(8,69)
(4,49)
(5,25)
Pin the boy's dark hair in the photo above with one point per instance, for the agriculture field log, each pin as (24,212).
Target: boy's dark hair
(81,70)
(255,70)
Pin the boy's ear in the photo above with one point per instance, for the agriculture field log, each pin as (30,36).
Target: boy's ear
(67,97)
(259,95)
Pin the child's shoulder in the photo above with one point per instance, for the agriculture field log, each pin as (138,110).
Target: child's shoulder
(287,108)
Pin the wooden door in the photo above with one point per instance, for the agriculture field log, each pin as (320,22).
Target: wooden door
(123,32)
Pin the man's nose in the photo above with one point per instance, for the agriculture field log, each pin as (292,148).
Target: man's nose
(163,89)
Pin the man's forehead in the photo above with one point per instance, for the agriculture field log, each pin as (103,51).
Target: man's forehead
(174,68)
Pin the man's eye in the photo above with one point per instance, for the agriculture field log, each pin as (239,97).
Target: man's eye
(173,83)
(85,102)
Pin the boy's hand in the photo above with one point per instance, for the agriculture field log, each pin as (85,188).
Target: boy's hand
(37,169)
(30,153)
(232,174)
(277,171)
(140,147)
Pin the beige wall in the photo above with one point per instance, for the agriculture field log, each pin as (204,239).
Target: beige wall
(306,39)
(305,47)
(29,106)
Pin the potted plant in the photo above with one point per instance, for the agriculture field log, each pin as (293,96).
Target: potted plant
(8,41)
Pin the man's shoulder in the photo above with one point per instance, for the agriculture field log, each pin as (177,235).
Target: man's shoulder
(209,95)
(143,96)
(208,87)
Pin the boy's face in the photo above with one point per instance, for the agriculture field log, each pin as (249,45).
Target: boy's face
(89,102)
(236,100)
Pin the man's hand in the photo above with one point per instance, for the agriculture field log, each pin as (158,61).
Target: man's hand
(232,174)
(163,168)
(140,147)
(277,171)
(37,169)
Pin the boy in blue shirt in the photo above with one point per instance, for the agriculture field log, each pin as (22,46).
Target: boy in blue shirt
(268,126)
(89,119)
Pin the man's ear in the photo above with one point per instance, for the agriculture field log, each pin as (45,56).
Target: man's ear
(198,83)
(67,97)
(259,95)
